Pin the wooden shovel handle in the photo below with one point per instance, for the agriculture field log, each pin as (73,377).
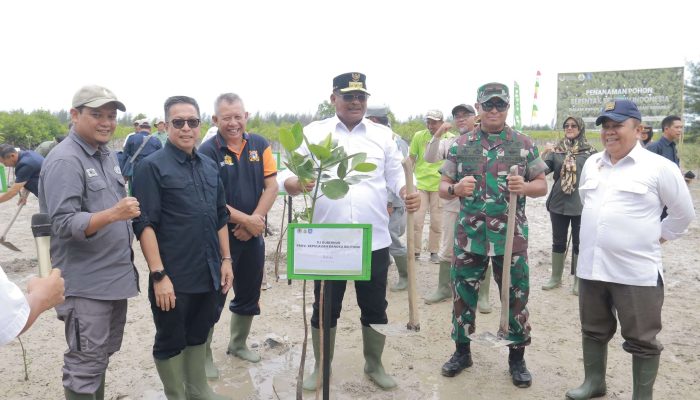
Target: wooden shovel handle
(413,320)
(507,257)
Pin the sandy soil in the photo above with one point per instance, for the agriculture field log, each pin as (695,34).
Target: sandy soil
(554,358)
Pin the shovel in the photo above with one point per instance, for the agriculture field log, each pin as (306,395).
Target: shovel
(499,339)
(413,324)
(7,229)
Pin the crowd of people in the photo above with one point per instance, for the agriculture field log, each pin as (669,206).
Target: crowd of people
(166,191)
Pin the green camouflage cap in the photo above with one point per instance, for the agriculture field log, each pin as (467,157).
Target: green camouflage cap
(94,96)
(491,90)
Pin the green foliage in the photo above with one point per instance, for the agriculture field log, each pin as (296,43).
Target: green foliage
(692,103)
(28,130)
(316,166)
(325,110)
(407,129)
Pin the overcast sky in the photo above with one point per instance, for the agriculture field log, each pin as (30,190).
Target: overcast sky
(281,56)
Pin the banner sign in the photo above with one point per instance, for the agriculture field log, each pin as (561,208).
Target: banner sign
(657,92)
(329,251)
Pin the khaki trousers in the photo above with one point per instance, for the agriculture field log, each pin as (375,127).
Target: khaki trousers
(428,201)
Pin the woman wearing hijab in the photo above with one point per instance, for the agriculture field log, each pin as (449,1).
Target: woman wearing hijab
(566,161)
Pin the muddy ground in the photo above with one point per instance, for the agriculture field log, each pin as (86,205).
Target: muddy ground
(554,358)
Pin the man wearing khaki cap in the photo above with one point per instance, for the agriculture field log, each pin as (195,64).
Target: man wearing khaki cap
(82,190)
(427,182)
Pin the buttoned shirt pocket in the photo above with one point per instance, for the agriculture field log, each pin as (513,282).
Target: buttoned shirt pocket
(629,197)
(97,195)
(588,186)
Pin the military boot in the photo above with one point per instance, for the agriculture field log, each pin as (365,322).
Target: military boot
(240,328)
(172,375)
(310,381)
(443,291)
(372,348)
(643,376)
(461,359)
(196,385)
(484,306)
(402,267)
(520,376)
(595,358)
(209,366)
(557,269)
(574,263)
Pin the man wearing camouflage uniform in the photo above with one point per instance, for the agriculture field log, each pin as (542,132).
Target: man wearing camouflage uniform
(476,171)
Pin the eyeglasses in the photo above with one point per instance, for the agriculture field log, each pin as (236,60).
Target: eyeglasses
(572,126)
(348,97)
(499,105)
(180,123)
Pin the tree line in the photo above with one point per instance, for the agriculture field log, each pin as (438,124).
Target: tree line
(27,130)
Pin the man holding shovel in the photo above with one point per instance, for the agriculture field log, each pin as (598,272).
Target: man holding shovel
(27,164)
(476,171)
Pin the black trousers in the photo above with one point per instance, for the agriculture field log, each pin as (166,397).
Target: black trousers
(248,267)
(560,231)
(371,294)
(185,325)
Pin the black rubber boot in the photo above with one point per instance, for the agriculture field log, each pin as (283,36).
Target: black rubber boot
(461,359)
(517,368)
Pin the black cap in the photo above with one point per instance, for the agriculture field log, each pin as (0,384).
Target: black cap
(350,82)
(464,107)
(619,111)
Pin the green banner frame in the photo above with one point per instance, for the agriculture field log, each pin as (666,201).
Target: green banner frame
(293,273)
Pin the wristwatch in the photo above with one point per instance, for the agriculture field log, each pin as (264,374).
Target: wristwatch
(158,276)
(451,190)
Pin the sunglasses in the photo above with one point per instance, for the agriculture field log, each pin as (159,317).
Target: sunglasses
(352,97)
(572,126)
(490,105)
(180,123)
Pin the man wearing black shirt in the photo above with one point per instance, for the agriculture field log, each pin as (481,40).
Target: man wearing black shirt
(183,208)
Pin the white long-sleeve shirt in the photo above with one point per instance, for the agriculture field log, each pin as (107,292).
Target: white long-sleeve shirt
(366,201)
(622,204)
(436,150)
(14,309)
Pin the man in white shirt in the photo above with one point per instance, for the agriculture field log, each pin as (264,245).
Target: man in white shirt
(364,203)
(623,191)
(17,312)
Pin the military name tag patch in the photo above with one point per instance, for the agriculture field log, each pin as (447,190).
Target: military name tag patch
(91,172)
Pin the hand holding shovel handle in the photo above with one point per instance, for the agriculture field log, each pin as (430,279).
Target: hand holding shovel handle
(413,322)
(507,259)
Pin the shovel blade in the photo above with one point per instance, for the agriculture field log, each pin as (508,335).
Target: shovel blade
(489,339)
(393,330)
(9,245)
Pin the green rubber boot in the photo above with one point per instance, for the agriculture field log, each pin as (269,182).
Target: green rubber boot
(172,375)
(240,328)
(643,376)
(595,357)
(574,263)
(209,366)
(484,306)
(196,385)
(100,393)
(71,395)
(443,291)
(557,269)
(310,381)
(372,348)
(402,267)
